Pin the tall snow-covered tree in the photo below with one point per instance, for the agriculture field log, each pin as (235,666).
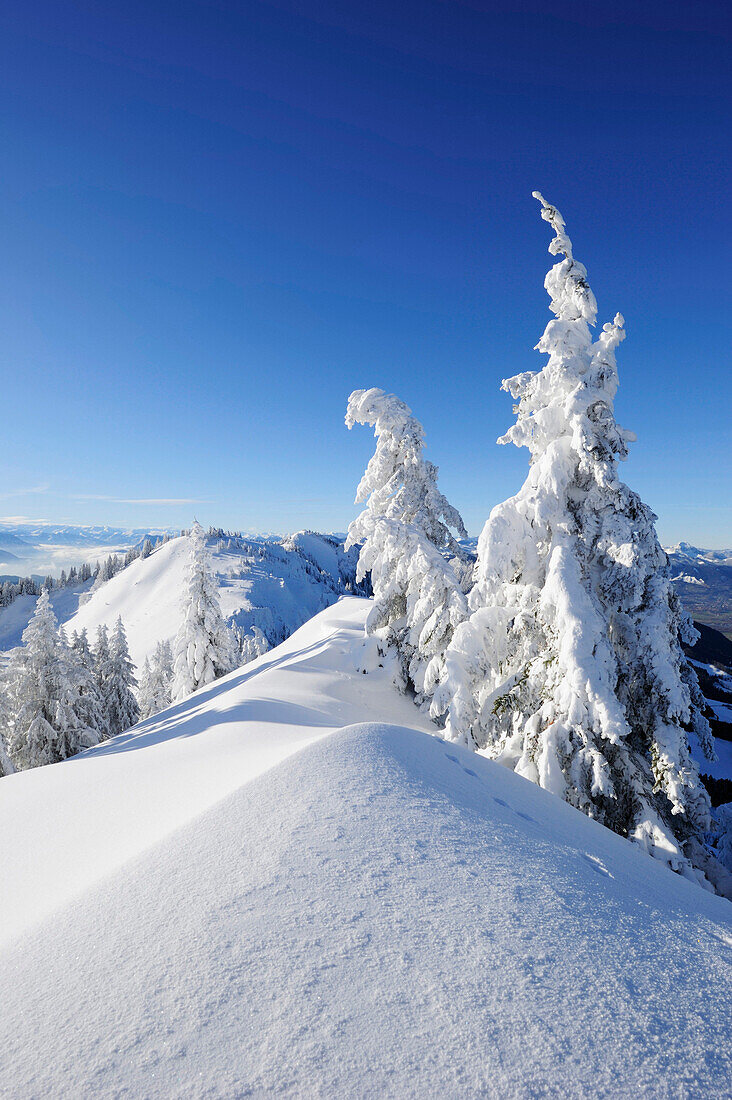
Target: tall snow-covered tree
(6,764)
(156,681)
(87,699)
(570,668)
(404,534)
(103,673)
(143,690)
(204,645)
(120,703)
(47,724)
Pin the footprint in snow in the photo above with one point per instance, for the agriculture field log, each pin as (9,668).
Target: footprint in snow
(453,758)
(519,813)
(597,865)
(468,771)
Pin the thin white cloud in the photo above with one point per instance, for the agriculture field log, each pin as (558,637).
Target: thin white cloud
(141,500)
(31,490)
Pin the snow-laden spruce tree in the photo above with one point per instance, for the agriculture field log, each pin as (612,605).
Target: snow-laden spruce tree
(156,681)
(102,659)
(143,690)
(204,645)
(87,700)
(46,721)
(120,703)
(570,668)
(6,764)
(252,645)
(404,533)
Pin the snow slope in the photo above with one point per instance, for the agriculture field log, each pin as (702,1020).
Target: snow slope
(284,887)
(15,618)
(274,586)
(114,801)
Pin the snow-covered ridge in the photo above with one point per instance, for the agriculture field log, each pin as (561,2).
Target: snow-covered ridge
(112,802)
(275,586)
(283,886)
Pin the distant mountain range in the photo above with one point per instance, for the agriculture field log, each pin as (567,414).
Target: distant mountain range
(703,579)
(42,549)
(685,552)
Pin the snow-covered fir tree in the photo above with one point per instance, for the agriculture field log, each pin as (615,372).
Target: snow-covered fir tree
(204,645)
(143,690)
(102,667)
(570,668)
(87,699)
(404,534)
(47,721)
(120,703)
(156,681)
(80,645)
(6,764)
(252,645)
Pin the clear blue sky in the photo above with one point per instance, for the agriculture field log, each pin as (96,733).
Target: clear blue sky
(217,219)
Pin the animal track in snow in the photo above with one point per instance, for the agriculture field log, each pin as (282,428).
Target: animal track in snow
(596,865)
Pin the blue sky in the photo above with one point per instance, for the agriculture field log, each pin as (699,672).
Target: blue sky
(218,219)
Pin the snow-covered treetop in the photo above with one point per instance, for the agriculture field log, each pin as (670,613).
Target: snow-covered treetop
(571,399)
(197,534)
(399,483)
(566,283)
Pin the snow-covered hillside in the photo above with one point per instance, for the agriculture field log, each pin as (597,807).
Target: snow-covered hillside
(285,886)
(14,618)
(275,586)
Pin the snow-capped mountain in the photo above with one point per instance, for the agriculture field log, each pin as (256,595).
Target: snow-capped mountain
(284,886)
(703,579)
(684,551)
(69,534)
(275,586)
(41,549)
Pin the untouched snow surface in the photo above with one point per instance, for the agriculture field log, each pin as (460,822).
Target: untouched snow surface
(284,887)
